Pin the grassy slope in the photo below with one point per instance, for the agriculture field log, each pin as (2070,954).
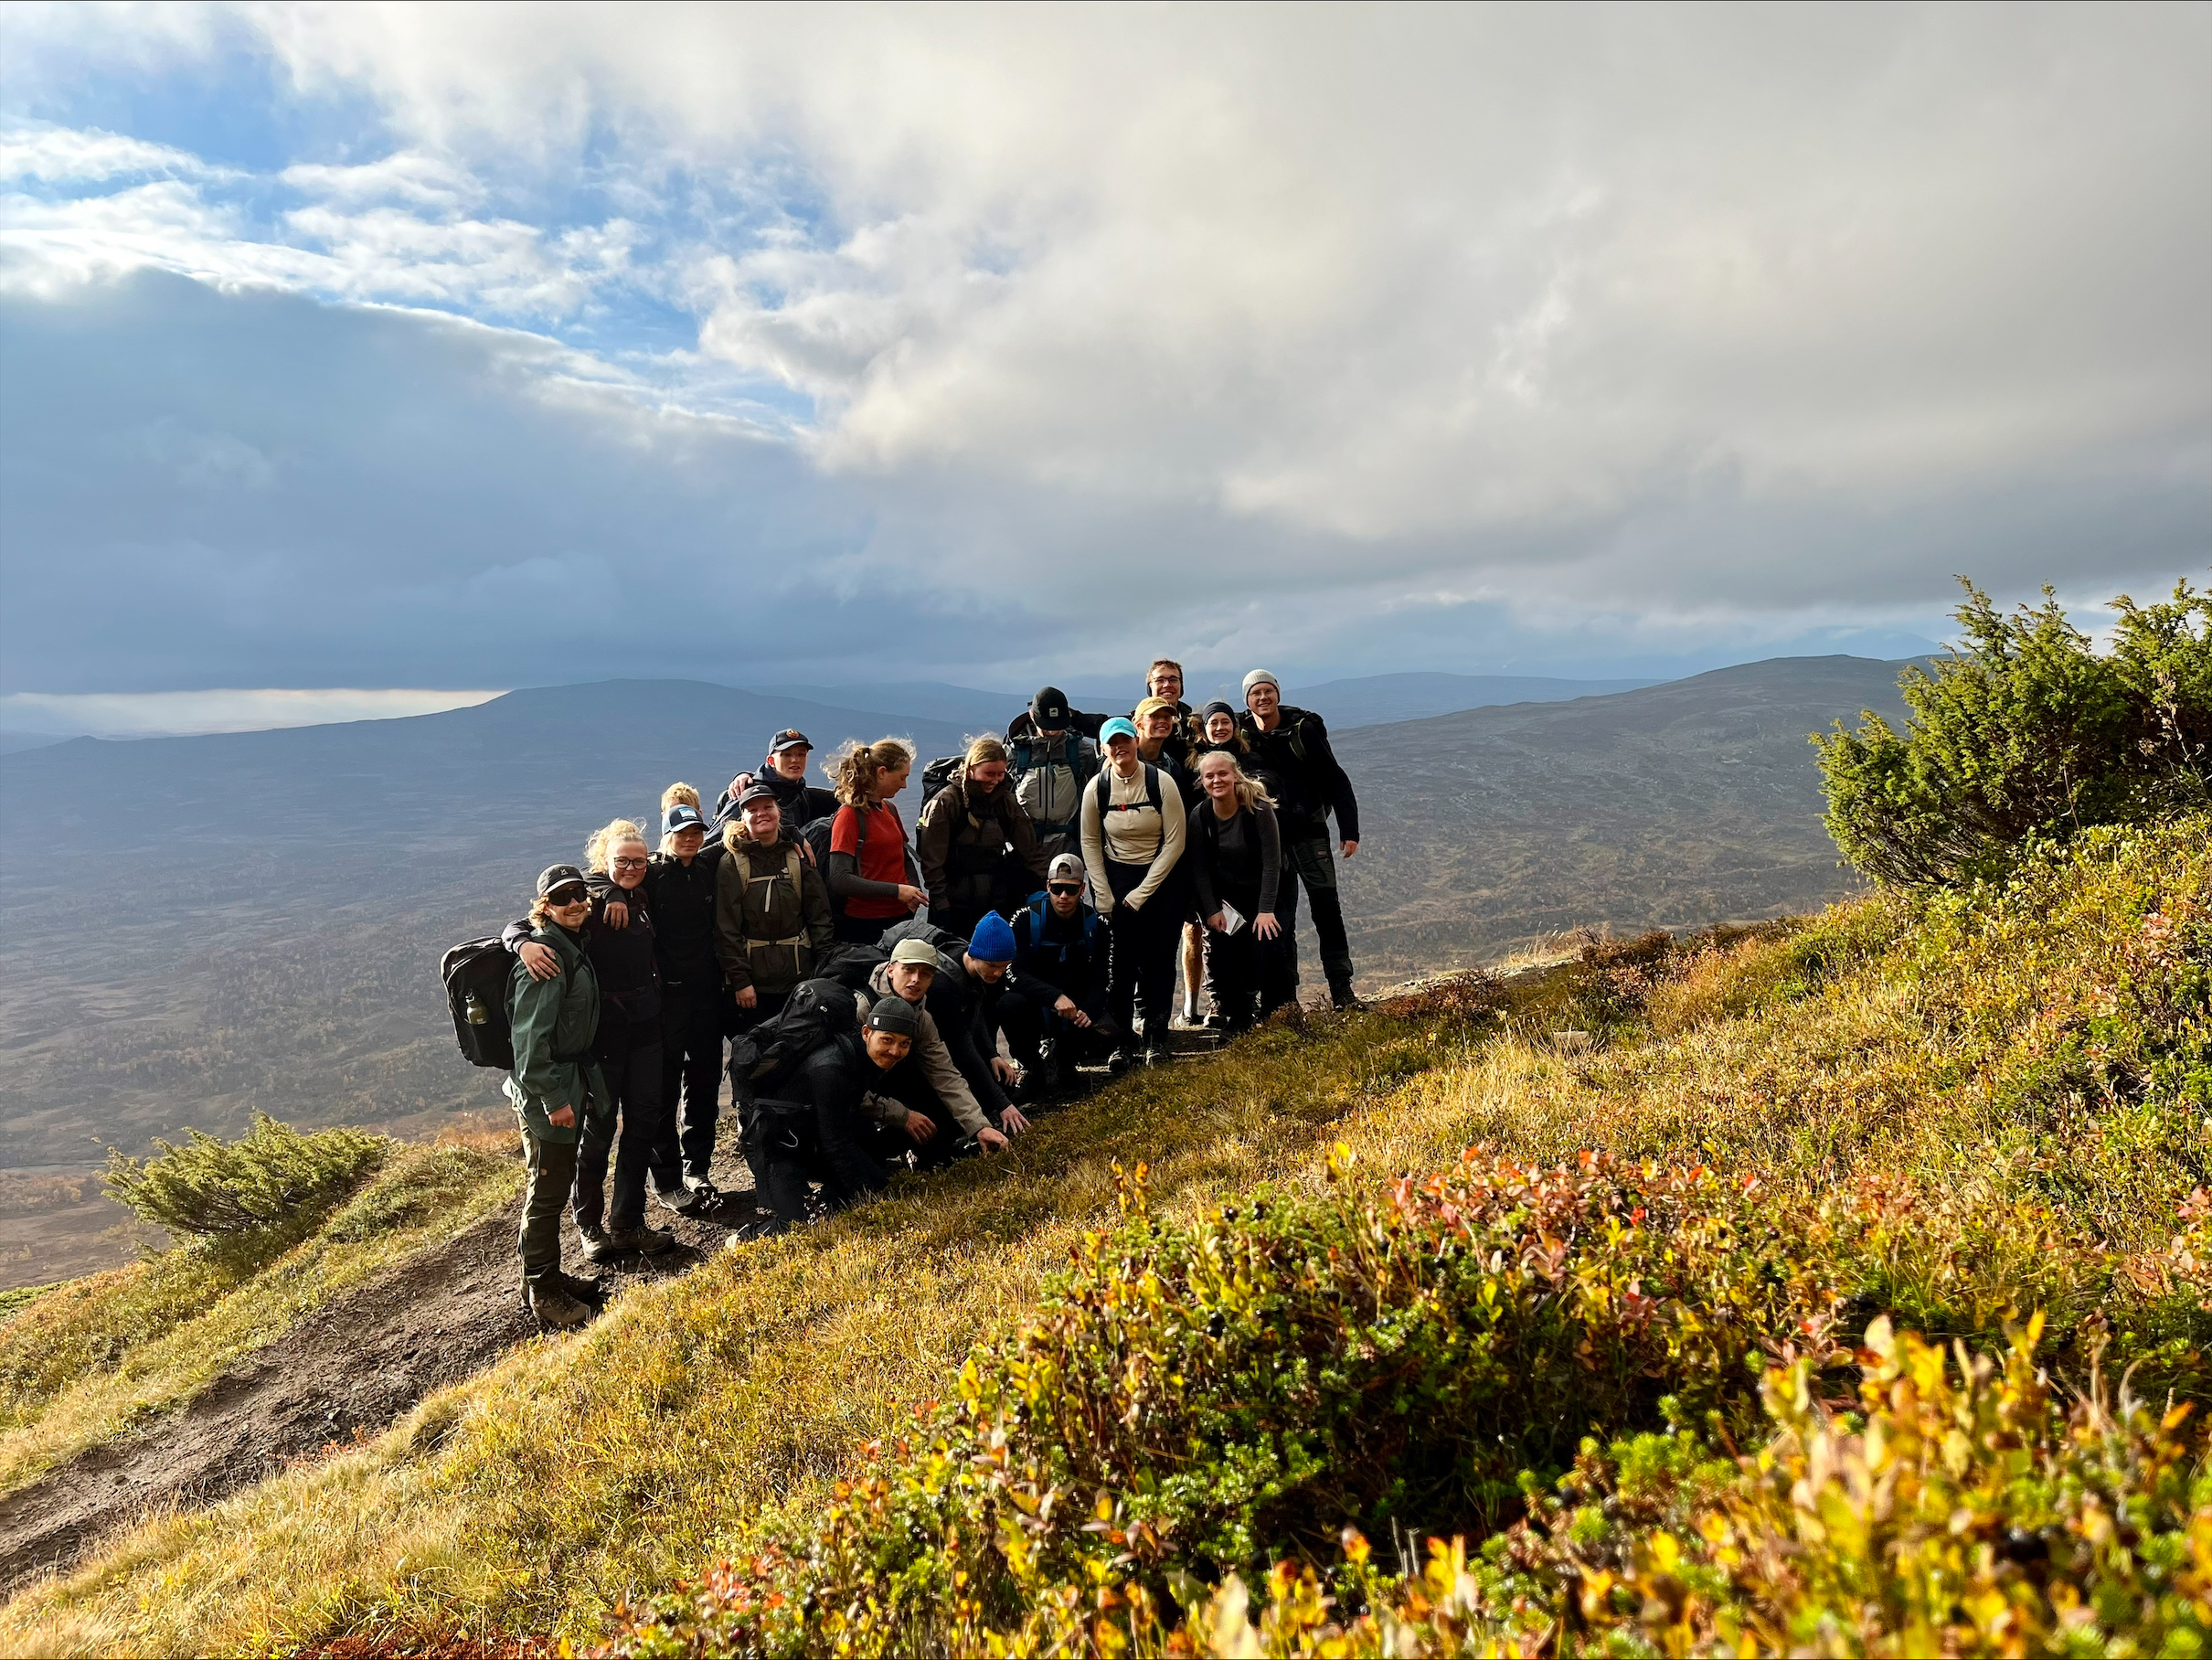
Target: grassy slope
(1993,1077)
(92,1358)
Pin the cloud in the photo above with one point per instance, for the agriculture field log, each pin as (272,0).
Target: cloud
(164,714)
(965,337)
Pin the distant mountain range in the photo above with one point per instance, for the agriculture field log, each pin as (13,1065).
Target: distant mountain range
(198,928)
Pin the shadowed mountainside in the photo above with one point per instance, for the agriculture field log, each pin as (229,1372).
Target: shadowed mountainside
(252,921)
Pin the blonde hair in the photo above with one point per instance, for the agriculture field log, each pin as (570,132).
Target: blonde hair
(984,749)
(858,766)
(609,836)
(1250,792)
(678,793)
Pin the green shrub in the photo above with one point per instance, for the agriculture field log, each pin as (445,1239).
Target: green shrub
(1196,1401)
(212,1186)
(2028,731)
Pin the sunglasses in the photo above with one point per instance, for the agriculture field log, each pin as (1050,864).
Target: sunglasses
(1065,886)
(566,897)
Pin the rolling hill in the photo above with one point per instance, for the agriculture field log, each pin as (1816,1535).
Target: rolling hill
(200,928)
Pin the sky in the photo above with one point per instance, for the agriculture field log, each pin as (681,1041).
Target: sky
(360,350)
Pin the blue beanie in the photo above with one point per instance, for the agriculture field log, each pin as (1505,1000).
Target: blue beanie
(992,941)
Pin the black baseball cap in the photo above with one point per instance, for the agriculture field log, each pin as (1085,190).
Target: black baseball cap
(894,1014)
(553,878)
(682,816)
(790,738)
(754,793)
(1049,709)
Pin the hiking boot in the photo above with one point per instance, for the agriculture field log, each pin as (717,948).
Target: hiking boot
(597,1246)
(1157,1054)
(554,1306)
(592,1293)
(703,1199)
(1344,999)
(1120,1061)
(644,1240)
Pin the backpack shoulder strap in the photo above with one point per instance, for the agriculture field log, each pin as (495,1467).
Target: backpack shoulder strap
(1151,787)
(793,866)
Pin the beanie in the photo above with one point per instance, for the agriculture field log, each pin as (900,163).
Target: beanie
(1256,676)
(1217,706)
(894,1014)
(992,941)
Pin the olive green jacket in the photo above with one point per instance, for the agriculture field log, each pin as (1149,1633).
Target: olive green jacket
(554,1022)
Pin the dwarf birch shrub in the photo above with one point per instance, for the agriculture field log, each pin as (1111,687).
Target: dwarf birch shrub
(209,1187)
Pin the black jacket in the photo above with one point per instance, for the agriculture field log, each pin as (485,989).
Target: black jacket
(1250,876)
(1303,773)
(1056,956)
(803,803)
(627,962)
(833,1081)
(681,898)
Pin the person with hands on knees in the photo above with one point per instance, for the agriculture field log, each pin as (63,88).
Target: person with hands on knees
(1060,955)
(932,1093)
(1236,865)
(873,880)
(1134,825)
(772,912)
(555,1088)
(1291,755)
(627,1047)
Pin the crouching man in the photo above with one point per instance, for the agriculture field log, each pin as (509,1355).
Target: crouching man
(933,1088)
(823,1123)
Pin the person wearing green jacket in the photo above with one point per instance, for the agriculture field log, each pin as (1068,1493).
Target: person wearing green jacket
(555,1084)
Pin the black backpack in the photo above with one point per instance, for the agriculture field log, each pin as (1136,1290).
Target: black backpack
(851,966)
(1102,792)
(764,1059)
(946,943)
(477,973)
(938,774)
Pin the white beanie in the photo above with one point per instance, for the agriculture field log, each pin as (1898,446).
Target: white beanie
(1257,676)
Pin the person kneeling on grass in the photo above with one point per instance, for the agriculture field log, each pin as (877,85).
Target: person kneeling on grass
(555,1087)
(822,1125)
(931,1088)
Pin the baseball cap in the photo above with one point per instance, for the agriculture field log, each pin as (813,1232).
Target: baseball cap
(1048,709)
(790,738)
(894,1014)
(915,951)
(1065,867)
(1117,728)
(757,793)
(553,878)
(682,816)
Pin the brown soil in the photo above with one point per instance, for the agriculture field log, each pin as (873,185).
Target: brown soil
(346,1373)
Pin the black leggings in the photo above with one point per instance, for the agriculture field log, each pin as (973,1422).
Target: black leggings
(1142,968)
(1250,977)
(691,1080)
(633,1085)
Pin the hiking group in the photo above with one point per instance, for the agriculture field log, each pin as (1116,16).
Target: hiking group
(1077,876)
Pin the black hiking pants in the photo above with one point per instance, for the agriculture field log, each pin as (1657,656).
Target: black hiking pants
(1141,970)
(630,1134)
(1028,1023)
(1317,865)
(691,1084)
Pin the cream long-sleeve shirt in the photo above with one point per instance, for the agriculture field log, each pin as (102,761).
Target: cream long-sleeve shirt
(1131,832)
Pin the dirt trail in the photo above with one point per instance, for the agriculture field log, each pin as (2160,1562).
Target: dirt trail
(352,1369)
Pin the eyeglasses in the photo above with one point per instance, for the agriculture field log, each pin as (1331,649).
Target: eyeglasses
(630,864)
(566,897)
(1064,888)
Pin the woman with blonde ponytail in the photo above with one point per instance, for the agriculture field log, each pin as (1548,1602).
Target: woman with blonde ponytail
(873,879)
